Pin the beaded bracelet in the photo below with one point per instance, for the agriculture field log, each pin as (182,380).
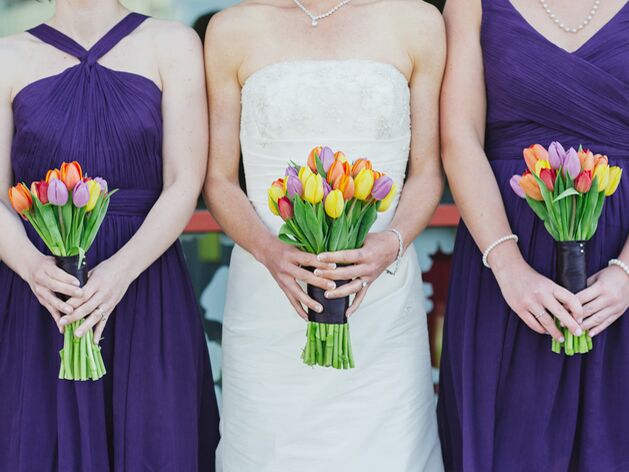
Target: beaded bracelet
(619,263)
(396,264)
(495,244)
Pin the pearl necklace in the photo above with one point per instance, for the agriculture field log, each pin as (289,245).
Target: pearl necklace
(568,29)
(316,18)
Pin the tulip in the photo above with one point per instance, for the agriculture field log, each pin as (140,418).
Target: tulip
(312,158)
(541,164)
(304,174)
(548,176)
(556,154)
(313,189)
(599,159)
(386,203)
(275,193)
(381,187)
(273,206)
(583,182)
(340,156)
(40,190)
(53,174)
(326,188)
(95,191)
(533,154)
(326,158)
(21,199)
(602,173)
(279,183)
(285,208)
(346,184)
(364,183)
(359,165)
(515,185)
(294,187)
(80,195)
(103,184)
(615,173)
(586,158)
(57,192)
(571,164)
(530,187)
(71,174)
(377,175)
(338,168)
(334,204)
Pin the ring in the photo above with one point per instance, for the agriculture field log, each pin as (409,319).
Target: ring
(365,284)
(101,312)
(537,317)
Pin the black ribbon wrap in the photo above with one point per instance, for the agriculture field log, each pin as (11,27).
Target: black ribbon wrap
(571,266)
(70,265)
(334,310)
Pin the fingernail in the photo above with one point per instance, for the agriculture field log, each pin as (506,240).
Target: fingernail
(581,321)
(317,273)
(331,285)
(562,339)
(332,266)
(77,283)
(326,294)
(78,333)
(578,332)
(319,308)
(64,321)
(321,257)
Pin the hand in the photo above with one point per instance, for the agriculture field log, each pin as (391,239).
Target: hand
(103,291)
(535,299)
(605,300)
(46,280)
(286,264)
(365,266)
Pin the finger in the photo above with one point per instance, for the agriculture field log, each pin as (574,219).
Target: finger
(598,318)
(532,322)
(88,292)
(98,331)
(594,307)
(345,290)
(55,316)
(61,275)
(589,294)
(593,279)
(569,300)
(609,317)
(350,272)
(557,309)
(83,311)
(295,303)
(312,279)
(89,323)
(61,287)
(306,259)
(360,296)
(301,296)
(352,256)
(548,323)
(51,299)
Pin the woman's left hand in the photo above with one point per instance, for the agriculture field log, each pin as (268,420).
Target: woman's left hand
(362,266)
(605,300)
(106,286)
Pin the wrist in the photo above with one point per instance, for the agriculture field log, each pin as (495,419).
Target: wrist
(504,257)
(265,243)
(124,267)
(30,261)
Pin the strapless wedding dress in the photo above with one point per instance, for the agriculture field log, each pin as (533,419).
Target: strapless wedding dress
(278,414)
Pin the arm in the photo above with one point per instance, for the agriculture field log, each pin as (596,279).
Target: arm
(473,183)
(227,202)
(424,182)
(184,156)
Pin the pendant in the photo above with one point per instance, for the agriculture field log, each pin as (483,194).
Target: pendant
(314,22)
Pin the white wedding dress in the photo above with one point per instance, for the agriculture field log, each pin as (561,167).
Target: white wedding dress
(279,415)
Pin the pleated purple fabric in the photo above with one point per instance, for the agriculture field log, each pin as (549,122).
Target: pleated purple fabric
(155,410)
(507,403)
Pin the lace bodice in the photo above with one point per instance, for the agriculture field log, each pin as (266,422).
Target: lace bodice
(360,107)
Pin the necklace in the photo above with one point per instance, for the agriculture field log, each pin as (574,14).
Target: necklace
(562,25)
(316,18)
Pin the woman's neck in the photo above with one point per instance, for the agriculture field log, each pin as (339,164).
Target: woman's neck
(86,20)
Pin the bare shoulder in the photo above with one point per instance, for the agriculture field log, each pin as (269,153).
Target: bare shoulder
(172,37)
(13,51)
(231,28)
(416,19)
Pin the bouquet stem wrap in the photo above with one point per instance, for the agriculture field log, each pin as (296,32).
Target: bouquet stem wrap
(572,275)
(81,358)
(328,343)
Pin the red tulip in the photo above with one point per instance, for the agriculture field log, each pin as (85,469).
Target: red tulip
(583,182)
(548,176)
(40,189)
(71,174)
(21,199)
(285,208)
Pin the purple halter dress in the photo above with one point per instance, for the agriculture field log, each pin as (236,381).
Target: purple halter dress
(155,409)
(507,403)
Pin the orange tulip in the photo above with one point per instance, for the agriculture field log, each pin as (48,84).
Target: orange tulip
(53,174)
(21,199)
(587,159)
(340,156)
(600,159)
(530,187)
(337,169)
(71,174)
(312,158)
(535,153)
(359,165)
(345,183)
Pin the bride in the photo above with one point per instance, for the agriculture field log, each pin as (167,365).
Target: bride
(362,77)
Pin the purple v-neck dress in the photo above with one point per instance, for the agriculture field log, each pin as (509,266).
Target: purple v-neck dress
(155,409)
(507,403)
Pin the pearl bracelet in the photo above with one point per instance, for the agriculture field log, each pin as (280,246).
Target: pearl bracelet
(495,244)
(400,253)
(619,263)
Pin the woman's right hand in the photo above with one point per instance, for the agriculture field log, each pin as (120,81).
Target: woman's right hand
(536,299)
(45,280)
(286,264)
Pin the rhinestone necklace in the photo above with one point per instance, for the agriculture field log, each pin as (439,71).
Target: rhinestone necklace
(316,18)
(562,25)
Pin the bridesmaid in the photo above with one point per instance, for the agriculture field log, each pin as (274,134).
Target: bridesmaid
(521,73)
(117,92)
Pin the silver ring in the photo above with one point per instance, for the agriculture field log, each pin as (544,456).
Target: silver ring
(101,312)
(537,317)
(365,284)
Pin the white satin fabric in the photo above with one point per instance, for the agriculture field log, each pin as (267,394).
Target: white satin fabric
(279,415)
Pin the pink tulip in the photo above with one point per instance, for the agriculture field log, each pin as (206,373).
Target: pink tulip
(57,192)
(515,185)
(556,155)
(103,184)
(294,187)
(80,195)
(381,187)
(572,164)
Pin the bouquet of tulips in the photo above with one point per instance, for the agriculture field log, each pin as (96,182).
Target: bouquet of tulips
(329,205)
(567,191)
(67,209)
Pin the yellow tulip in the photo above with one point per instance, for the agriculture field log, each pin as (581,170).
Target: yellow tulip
(363,183)
(304,173)
(602,172)
(313,189)
(95,190)
(273,206)
(334,204)
(275,193)
(541,164)
(386,202)
(615,173)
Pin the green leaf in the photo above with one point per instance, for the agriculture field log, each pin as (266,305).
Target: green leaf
(299,208)
(315,227)
(565,194)
(336,235)
(370,217)
(320,169)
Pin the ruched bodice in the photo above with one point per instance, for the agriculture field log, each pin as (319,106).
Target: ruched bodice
(361,107)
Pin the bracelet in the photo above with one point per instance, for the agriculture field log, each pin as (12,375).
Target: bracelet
(396,264)
(619,263)
(495,244)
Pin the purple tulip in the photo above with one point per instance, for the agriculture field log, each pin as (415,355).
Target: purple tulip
(294,187)
(103,184)
(556,154)
(80,194)
(572,164)
(326,157)
(382,187)
(290,170)
(515,185)
(57,192)
(326,189)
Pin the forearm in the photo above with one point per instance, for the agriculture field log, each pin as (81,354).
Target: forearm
(16,250)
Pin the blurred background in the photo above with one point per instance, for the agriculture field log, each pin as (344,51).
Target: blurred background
(207,249)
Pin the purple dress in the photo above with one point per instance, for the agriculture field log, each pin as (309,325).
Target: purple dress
(507,403)
(155,409)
